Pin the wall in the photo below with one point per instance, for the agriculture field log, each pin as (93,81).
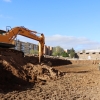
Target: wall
(89,55)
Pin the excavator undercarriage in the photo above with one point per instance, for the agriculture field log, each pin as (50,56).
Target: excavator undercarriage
(5,45)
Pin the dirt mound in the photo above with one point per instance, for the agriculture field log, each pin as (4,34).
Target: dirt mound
(82,82)
(17,71)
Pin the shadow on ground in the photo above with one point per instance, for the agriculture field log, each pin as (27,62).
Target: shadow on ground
(56,62)
(78,71)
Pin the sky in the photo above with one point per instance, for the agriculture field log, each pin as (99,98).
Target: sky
(66,23)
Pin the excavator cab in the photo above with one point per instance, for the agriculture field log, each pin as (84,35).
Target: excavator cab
(5,45)
(2,32)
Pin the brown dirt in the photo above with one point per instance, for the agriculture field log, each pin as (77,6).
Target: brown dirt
(23,78)
(17,71)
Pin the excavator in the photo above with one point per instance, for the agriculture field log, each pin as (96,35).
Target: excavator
(7,40)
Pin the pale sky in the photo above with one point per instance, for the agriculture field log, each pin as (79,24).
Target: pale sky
(65,23)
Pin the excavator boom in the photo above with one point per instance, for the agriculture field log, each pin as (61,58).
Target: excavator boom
(7,38)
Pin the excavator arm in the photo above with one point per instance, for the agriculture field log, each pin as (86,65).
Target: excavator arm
(8,37)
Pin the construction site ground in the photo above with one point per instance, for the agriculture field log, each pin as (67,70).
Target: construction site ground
(23,78)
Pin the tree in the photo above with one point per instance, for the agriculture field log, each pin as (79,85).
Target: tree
(33,51)
(57,51)
(64,54)
(72,53)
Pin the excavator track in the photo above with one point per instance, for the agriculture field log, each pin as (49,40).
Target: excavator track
(11,52)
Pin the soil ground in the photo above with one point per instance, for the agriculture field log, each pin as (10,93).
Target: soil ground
(25,79)
(80,82)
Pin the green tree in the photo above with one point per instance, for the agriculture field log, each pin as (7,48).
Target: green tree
(64,54)
(72,53)
(34,52)
(57,51)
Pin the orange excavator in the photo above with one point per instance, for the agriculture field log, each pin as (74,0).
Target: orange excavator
(7,39)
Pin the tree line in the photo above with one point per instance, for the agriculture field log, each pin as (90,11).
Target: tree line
(58,51)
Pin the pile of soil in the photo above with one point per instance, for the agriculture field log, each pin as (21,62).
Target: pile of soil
(18,71)
(79,83)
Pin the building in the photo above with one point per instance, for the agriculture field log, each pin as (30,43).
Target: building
(67,50)
(89,55)
(26,47)
(48,50)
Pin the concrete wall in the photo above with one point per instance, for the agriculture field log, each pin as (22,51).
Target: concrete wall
(89,56)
